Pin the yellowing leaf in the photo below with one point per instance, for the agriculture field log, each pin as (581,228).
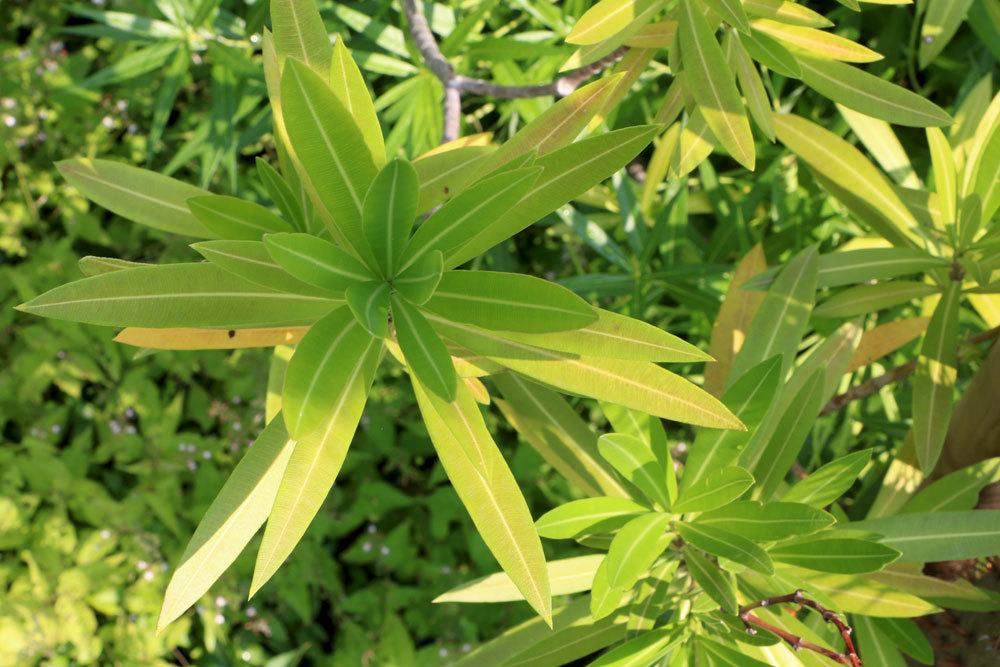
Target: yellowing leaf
(816,42)
(607,18)
(885,339)
(209,339)
(566,576)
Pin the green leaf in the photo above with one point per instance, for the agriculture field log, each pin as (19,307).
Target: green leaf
(566,173)
(389,210)
(908,637)
(715,489)
(724,656)
(566,576)
(643,650)
(314,464)
(859,185)
(618,337)
(958,490)
(349,86)
(635,461)
(370,304)
(238,511)
(94,266)
(870,95)
(328,359)
(772,55)
(489,492)
(134,64)
(849,267)
(758,103)
(316,261)
(251,261)
(281,194)
(857,593)
(942,19)
(749,398)
(299,33)
(938,536)
(418,282)
(958,594)
(426,355)
(829,481)
(232,218)
(508,302)
(557,126)
(607,18)
(176,295)
(639,385)
(772,462)
(549,424)
(727,545)
(732,12)
(331,151)
(712,84)
(603,514)
(767,522)
(783,316)
(832,554)
(444,173)
(137,194)
(716,582)
(816,43)
(635,547)
(865,299)
(945,175)
(934,380)
(460,217)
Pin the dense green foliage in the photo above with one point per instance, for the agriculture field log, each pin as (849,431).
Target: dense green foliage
(882,243)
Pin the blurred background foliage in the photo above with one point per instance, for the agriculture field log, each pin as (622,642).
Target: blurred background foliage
(108,463)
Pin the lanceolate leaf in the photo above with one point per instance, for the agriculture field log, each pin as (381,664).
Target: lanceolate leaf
(456,220)
(645,649)
(715,489)
(137,194)
(749,398)
(316,261)
(281,194)
(618,337)
(934,381)
(845,166)
(605,19)
(635,461)
(299,33)
(232,519)
(588,516)
(942,19)
(870,95)
(758,103)
(767,522)
(638,385)
(332,356)
(715,581)
(489,492)
(177,295)
(835,554)
(945,176)
(829,481)
(370,304)
(426,355)
(389,211)
(782,317)
(816,43)
(865,299)
(350,88)
(635,548)
(727,545)
(209,339)
(849,267)
(566,576)
(712,84)
(313,467)
(958,490)
(418,282)
(566,173)
(328,144)
(446,173)
(508,302)
(938,536)
(232,218)
(251,261)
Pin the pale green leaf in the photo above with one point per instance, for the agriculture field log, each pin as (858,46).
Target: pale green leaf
(834,554)
(938,536)
(326,361)
(349,86)
(299,33)
(566,576)
(238,511)
(232,218)
(715,489)
(316,261)
(369,302)
(829,481)
(635,461)
(425,353)
(603,514)
(251,261)
(865,299)
(816,43)
(390,208)
(606,18)
(767,522)
(716,582)
(635,547)
(643,650)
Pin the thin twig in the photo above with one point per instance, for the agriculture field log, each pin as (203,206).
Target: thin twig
(752,621)
(456,84)
(874,385)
